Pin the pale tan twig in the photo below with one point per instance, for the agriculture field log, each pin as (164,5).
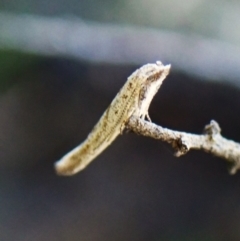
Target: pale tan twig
(128,110)
(211,141)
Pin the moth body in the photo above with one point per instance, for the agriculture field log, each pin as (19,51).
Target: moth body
(133,99)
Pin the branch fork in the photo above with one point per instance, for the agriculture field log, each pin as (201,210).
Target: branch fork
(211,141)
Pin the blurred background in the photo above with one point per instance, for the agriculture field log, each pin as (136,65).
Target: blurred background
(61,64)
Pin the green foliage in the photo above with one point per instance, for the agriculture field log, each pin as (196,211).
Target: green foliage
(12,66)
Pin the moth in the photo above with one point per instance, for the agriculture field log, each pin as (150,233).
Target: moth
(133,98)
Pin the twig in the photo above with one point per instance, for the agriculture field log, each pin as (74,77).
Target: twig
(129,109)
(211,141)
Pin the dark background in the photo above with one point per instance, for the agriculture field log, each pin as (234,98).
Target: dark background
(136,189)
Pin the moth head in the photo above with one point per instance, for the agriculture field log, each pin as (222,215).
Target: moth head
(154,72)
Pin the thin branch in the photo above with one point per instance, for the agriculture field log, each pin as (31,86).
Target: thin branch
(211,141)
(128,110)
